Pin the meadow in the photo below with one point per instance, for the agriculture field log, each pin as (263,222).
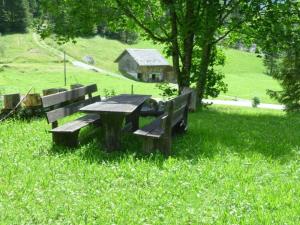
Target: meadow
(233,166)
(31,64)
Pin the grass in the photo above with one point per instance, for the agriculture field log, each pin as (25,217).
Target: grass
(24,64)
(234,166)
(15,78)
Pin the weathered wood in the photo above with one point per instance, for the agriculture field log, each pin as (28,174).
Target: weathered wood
(74,86)
(77,124)
(66,139)
(160,130)
(117,104)
(67,134)
(113,126)
(68,110)
(32,100)
(181,100)
(113,112)
(51,91)
(58,98)
(193,100)
(133,118)
(10,101)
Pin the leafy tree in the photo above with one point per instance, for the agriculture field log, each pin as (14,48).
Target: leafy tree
(278,33)
(190,30)
(14,16)
(3,18)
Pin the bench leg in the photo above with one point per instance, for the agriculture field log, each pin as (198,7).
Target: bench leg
(148,145)
(66,139)
(164,145)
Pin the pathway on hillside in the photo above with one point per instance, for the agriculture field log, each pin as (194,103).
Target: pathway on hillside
(74,62)
(54,51)
(244,103)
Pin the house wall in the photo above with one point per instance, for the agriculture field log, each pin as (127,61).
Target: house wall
(162,73)
(148,71)
(128,65)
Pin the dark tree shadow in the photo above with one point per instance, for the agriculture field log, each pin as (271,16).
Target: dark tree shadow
(210,132)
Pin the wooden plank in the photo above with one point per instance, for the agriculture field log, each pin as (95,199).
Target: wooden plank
(178,115)
(59,113)
(77,124)
(58,98)
(181,100)
(154,129)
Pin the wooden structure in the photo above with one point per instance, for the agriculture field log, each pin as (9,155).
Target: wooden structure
(51,91)
(158,134)
(146,65)
(63,105)
(11,101)
(194,98)
(113,111)
(32,101)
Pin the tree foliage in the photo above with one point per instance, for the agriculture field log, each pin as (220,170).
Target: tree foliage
(14,16)
(278,33)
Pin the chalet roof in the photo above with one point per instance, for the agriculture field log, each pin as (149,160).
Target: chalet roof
(145,57)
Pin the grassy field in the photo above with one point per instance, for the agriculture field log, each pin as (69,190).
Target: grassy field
(234,166)
(23,63)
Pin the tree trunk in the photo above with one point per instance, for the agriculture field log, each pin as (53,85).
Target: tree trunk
(175,46)
(205,60)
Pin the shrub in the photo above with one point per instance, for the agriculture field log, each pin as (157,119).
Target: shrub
(109,93)
(167,90)
(255,102)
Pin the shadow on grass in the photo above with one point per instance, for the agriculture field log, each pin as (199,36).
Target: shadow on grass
(211,132)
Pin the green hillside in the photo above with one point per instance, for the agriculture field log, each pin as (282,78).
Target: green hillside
(27,64)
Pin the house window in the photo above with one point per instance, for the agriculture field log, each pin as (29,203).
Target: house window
(140,76)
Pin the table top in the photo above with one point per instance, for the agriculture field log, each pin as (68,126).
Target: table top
(118,104)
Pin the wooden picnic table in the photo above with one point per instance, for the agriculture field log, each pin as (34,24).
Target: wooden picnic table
(113,111)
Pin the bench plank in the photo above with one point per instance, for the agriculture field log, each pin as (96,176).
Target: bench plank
(54,99)
(77,124)
(68,110)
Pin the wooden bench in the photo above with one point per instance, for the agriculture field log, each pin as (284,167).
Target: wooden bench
(67,103)
(158,134)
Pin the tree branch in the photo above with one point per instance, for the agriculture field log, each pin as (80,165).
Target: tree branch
(131,15)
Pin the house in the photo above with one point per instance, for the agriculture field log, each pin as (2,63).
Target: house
(145,65)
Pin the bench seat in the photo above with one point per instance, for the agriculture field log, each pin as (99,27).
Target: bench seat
(77,124)
(158,133)
(153,130)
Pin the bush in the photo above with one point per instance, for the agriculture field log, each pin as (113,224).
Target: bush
(255,102)
(109,93)
(167,90)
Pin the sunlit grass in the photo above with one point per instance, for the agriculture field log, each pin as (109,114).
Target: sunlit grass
(233,166)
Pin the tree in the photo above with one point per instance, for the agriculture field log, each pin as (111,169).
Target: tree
(189,29)
(278,33)
(14,16)
(3,18)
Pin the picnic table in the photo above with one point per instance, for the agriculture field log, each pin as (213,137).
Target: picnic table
(113,112)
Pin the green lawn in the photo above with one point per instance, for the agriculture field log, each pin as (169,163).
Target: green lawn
(233,166)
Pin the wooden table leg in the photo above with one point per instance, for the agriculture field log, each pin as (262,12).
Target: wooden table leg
(133,118)
(112,123)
